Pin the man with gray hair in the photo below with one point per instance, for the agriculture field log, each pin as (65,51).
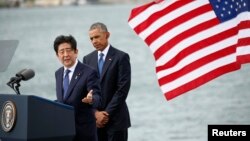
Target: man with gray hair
(113,65)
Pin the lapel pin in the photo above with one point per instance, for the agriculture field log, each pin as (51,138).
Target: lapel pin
(77,75)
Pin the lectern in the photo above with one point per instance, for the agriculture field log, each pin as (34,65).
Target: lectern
(32,118)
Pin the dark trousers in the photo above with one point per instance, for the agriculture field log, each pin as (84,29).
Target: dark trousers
(103,135)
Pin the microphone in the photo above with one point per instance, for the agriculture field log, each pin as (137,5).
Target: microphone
(27,74)
(24,74)
(18,77)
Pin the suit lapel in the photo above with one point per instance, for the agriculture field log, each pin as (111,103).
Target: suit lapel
(108,60)
(75,77)
(95,60)
(60,84)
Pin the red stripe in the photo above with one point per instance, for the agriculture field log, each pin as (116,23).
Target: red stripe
(194,47)
(136,11)
(168,26)
(244,41)
(197,64)
(201,80)
(244,24)
(154,17)
(243,59)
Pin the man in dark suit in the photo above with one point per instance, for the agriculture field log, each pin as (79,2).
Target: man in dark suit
(113,65)
(77,85)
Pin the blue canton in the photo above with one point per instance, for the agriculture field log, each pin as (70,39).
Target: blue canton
(229,9)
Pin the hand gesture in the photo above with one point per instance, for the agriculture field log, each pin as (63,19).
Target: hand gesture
(88,99)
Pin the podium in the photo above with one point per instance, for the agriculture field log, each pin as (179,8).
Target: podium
(32,118)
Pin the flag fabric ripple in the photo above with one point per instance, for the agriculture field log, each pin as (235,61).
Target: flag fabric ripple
(193,41)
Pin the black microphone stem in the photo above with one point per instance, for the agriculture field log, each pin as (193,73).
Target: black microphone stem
(17,88)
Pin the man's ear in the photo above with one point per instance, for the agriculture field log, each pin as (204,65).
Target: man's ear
(107,35)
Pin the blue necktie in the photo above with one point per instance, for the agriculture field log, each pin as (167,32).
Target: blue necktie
(100,63)
(66,83)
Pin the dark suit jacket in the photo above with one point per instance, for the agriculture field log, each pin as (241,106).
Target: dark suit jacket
(115,84)
(83,80)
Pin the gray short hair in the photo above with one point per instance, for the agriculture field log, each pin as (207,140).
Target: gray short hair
(99,25)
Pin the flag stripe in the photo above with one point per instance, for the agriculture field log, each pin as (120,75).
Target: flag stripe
(191,40)
(243,50)
(200,80)
(244,58)
(157,13)
(161,72)
(137,15)
(196,47)
(184,28)
(167,46)
(196,64)
(175,22)
(158,23)
(137,11)
(209,67)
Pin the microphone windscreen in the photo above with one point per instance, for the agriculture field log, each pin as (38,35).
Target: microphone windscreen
(19,74)
(27,74)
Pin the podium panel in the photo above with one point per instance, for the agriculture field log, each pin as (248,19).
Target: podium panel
(32,118)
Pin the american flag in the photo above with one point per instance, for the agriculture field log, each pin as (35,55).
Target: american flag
(193,41)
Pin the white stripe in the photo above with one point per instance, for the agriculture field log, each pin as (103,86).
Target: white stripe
(148,12)
(170,17)
(243,50)
(198,55)
(243,16)
(244,33)
(156,44)
(194,39)
(198,73)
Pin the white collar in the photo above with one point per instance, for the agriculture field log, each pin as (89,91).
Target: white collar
(105,51)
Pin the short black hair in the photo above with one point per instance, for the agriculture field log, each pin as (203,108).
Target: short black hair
(65,39)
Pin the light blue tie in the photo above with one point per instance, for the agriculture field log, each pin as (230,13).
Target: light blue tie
(100,63)
(66,83)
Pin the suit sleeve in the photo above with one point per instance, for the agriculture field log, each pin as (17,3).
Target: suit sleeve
(94,84)
(123,85)
(84,60)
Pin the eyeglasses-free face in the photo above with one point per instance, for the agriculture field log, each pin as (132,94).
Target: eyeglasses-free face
(66,55)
